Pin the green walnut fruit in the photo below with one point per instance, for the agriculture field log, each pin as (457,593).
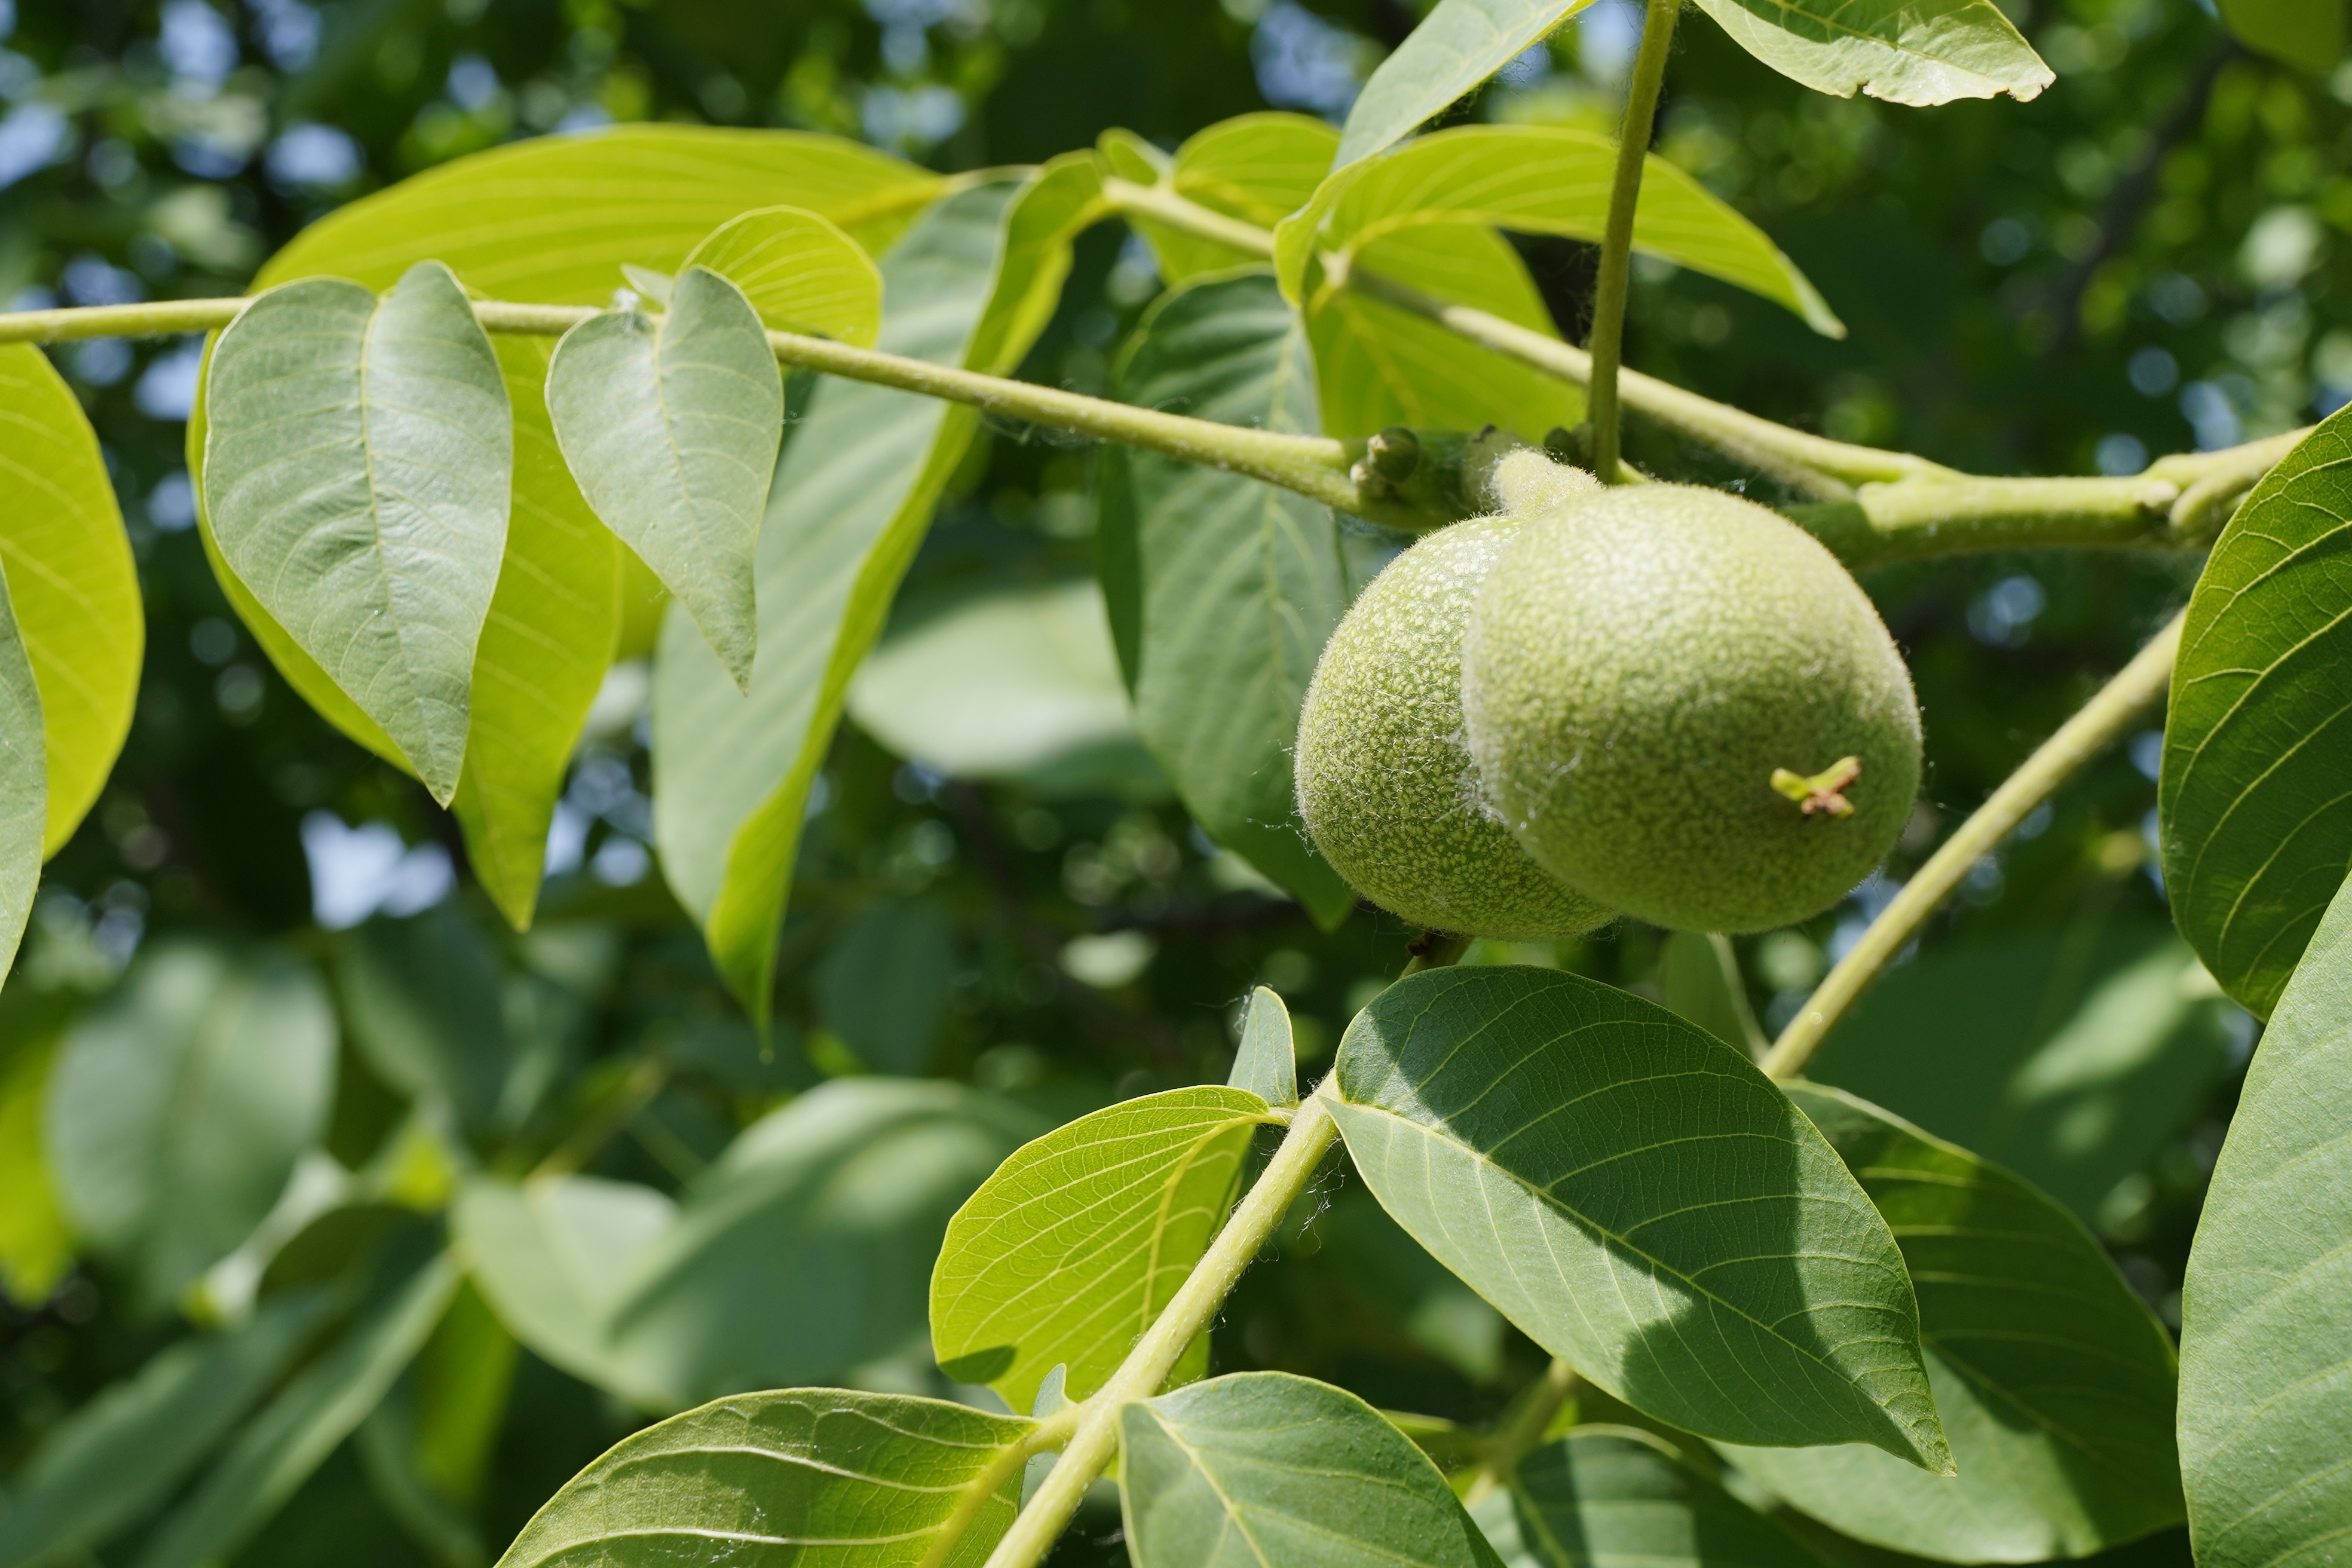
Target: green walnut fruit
(1384,781)
(1681,704)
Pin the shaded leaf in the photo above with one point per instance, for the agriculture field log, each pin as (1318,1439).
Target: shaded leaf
(1642,1202)
(816,1477)
(179,1106)
(2257,828)
(1614,1497)
(1266,1065)
(124,1452)
(800,271)
(2266,1307)
(670,424)
(1698,978)
(1069,1251)
(2306,33)
(24,784)
(1269,1470)
(1901,51)
(2054,1381)
(1458,45)
(1259,168)
(359,462)
(70,583)
(1232,586)
(883,986)
(422,995)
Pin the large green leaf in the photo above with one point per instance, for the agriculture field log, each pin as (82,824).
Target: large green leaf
(2266,1309)
(670,424)
(2257,826)
(273,1455)
(71,585)
(2054,1381)
(802,1253)
(1264,1469)
(2306,33)
(24,785)
(1456,47)
(422,995)
(884,985)
(1259,168)
(1614,1497)
(1643,1202)
(1229,586)
(126,1450)
(800,271)
(810,1478)
(178,1107)
(1067,1255)
(1536,180)
(972,284)
(545,648)
(1901,51)
(36,1247)
(2070,1059)
(359,465)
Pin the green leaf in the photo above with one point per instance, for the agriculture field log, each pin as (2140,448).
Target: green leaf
(359,464)
(1264,1469)
(2257,828)
(1698,978)
(800,1254)
(1900,50)
(1236,586)
(1642,1202)
(2306,33)
(420,994)
(2055,1382)
(800,271)
(70,583)
(1458,45)
(815,1477)
(972,284)
(1534,180)
(1613,1497)
(1259,168)
(2070,1060)
(670,424)
(883,986)
(24,787)
(125,1452)
(179,1106)
(2266,1309)
(1068,1253)
(545,646)
(1267,1063)
(271,1458)
(1018,684)
(36,1248)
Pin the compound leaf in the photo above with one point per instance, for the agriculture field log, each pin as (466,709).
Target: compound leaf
(1457,46)
(1229,588)
(1900,50)
(2054,1381)
(1642,1202)
(1265,1469)
(359,460)
(1067,1255)
(1611,1496)
(818,1478)
(2257,827)
(800,271)
(2266,1306)
(71,585)
(669,423)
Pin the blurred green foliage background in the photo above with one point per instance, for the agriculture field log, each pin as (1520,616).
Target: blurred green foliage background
(2154,256)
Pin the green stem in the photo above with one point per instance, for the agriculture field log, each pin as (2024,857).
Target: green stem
(1095,1438)
(2118,706)
(1524,1426)
(1617,237)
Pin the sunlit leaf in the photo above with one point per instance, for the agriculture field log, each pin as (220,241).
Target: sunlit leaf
(1640,1201)
(179,1106)
(1266,1065)
(2266,1307)
(1229,587)
(1068,1253)
(1614,1497)
(1264,1469)
(359,466)
(71,586)
(1259,168)
(670,423)
(1456,47)
(2257,826)
(800,271)
(819,1477)
(1901,51)
(2055,1382)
